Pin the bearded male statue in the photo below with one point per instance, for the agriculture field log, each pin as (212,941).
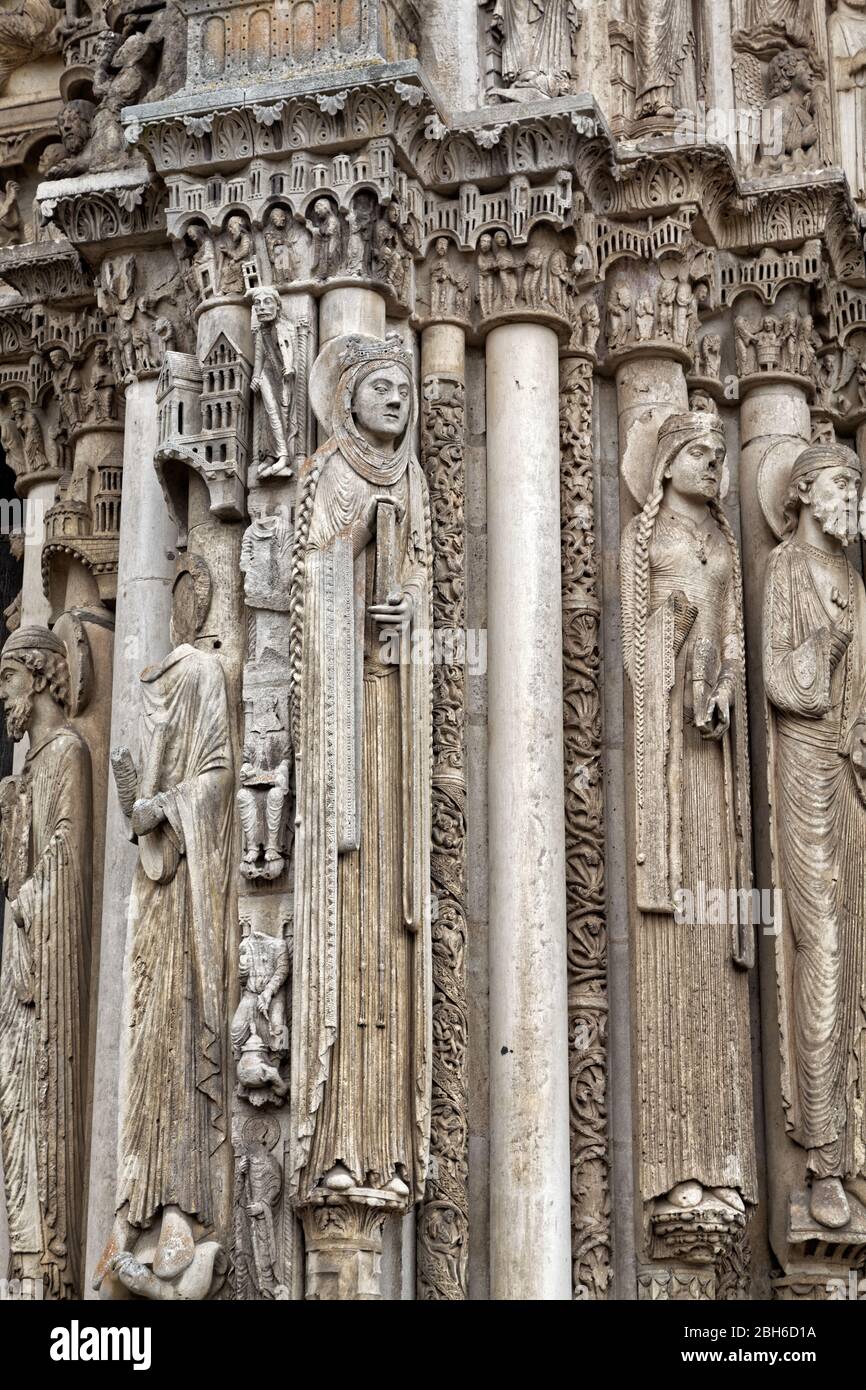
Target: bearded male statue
(814,653)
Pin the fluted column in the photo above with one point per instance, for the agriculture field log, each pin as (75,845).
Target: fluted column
(529,1151)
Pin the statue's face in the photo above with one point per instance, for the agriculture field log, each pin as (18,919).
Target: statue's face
(802,80)
(267,308)
(235,228)
(696,472)
(322,208)
(442,244)
(73,131)
(485,242)
(501,239)
(56,358)
(16,692)
(17,410)
(278,218)
(833,501)
(382,403)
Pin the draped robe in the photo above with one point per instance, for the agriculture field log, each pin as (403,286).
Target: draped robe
(180,919)
(819,849)
(663,44)
(43,1006)
(361,1033)
(692,996)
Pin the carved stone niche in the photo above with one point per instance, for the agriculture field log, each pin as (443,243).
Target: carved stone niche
(245,41)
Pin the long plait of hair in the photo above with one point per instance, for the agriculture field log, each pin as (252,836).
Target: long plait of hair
(643,533)
(718,514)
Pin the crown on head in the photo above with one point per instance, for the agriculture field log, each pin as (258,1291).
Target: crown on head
(391,348)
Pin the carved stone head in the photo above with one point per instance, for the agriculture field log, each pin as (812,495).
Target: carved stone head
(33,672)
(74,123)
(190,599)
(826,480)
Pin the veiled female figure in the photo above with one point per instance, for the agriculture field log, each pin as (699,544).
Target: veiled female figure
(361,720)
(683,646)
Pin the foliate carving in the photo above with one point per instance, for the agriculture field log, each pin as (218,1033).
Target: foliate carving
(676,1285)
(684,654)
(443,1222)
(584,840)
(360,1062)
(45,862)
(177,803)
(814,615)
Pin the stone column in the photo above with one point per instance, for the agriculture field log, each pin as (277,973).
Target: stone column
(144,579)
(350,309)
(443,1225)
(775,427)
(529,1150)
(35,607)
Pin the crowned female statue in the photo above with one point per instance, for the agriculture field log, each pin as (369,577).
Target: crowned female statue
(683,646)
(361,722)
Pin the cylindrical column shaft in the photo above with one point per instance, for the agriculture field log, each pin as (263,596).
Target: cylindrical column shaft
(145,574)
(529,1149)
(351,309)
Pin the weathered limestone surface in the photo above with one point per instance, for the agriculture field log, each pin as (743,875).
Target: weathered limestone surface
(414,731)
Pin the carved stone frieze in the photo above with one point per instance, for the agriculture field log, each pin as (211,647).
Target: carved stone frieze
(443,1227)
(584,840)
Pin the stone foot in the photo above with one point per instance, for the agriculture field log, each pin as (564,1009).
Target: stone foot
(176,1247)
(339,1179)
(828,1204)
(685,1195)
(729,1196)
(123,1237)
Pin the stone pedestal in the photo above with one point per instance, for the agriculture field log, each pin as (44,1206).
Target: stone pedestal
(529,1155)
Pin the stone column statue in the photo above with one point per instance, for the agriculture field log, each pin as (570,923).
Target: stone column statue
(173,1115)
(683,646)
(815,681)
(361,719)
(45,859)
(664,49)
